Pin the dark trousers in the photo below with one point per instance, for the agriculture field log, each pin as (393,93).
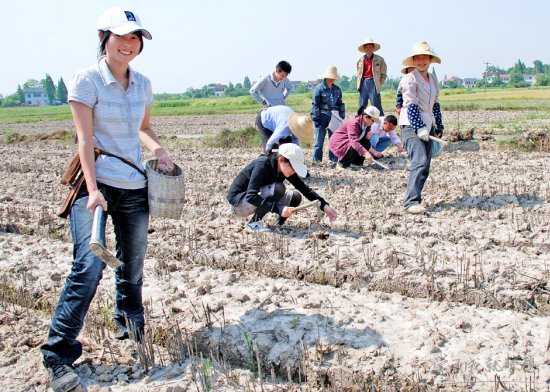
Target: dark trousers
(368,92)
(352,157)
(420,155)
(129,212)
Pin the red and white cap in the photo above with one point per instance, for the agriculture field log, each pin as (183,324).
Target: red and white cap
(121,22)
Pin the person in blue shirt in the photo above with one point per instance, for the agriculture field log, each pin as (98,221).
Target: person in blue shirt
(280,124)
(327,98)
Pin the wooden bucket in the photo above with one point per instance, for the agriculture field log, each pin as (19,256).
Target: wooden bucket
(166,191)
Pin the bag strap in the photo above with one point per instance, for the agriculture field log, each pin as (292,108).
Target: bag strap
(126,161)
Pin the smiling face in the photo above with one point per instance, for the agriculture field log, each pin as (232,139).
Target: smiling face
(422,62)
(122,48)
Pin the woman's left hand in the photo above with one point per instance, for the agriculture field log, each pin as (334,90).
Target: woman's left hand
(165,162)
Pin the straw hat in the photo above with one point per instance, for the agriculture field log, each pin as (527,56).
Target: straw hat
(406,69)
(419,49)
(366,42)
(331,73)
(301,126)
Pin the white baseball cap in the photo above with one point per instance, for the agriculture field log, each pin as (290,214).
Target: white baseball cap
(372,111)
(295,155)
(121,22)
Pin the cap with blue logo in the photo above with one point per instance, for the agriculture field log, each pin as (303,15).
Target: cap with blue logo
(120,22)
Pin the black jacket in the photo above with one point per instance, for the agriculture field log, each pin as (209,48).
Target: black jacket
(260,172)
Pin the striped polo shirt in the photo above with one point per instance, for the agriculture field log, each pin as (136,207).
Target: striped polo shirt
(117,117)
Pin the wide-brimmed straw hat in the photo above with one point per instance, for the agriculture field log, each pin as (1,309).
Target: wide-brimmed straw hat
(406,69)
(301,126)
(421,48)
(331,73)
(366,42)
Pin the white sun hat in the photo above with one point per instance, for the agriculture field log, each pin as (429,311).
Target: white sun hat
(361,47)
(295,156)
(121,22)
(373,112)
(421,48)
(331,73)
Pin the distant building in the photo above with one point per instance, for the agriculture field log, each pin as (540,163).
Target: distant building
(452,81)
(469,82)
(35,96)
(217,88)
(530,79)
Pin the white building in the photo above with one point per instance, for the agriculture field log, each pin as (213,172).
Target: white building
(35,96)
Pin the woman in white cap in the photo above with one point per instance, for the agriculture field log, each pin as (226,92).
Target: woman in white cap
(350,143)
(371,74)
(419,117)
(259,187)
(111,105)
(327,98)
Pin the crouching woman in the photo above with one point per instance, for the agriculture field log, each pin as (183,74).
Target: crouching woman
(350,143)
(259,188)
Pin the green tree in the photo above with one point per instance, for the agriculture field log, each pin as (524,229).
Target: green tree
(516,79)
(344,83)
(49,87)
(246,83)
(61,91)
(20,95)
(353,83)
(539,67)
(32,83)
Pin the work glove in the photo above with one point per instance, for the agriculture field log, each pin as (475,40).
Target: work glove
(423,134)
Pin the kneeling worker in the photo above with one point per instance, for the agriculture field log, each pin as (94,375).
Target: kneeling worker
(259,187)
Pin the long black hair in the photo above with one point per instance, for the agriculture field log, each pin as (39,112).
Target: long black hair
(105,38)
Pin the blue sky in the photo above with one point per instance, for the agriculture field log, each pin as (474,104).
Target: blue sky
(201,41)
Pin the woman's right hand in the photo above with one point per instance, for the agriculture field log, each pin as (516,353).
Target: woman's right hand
(95,199)
(368,157)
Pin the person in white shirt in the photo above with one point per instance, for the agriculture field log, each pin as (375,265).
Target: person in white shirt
(383,134)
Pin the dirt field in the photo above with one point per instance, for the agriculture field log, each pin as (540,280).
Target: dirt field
(456,300)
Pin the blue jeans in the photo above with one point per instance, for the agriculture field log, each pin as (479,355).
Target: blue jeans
(380,143)
(368,92)
(130,215)
(420,155)
(318,143)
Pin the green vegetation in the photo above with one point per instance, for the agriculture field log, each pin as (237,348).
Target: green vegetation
(451,99)
(241,138)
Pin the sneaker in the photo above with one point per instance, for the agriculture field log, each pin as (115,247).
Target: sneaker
(63,378)
(416,209)
(257,227)
(355,167)
(340,167)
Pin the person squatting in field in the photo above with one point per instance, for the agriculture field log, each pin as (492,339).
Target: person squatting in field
(259,187)
(350,143)
(420,117)
(110,103)
(383,134)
